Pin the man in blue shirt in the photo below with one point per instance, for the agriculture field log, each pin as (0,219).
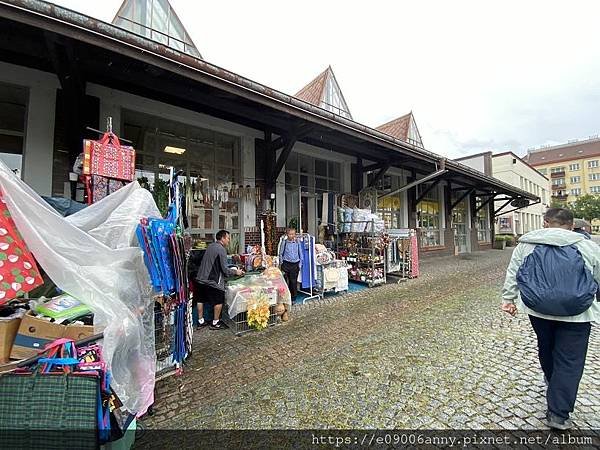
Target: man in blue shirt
(290,260)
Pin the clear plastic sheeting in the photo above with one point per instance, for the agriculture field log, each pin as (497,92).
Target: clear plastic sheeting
(270,283)
(93,255)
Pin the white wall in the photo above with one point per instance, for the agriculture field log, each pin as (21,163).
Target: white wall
(506,169)
(477,162)
(38,151)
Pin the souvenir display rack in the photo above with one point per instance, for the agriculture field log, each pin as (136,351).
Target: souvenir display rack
(364,252)
(166,257)
(310,289)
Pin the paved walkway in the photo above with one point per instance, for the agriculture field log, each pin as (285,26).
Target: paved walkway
(431,353)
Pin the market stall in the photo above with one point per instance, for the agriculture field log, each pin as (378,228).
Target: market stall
(166,258)
(65,279)
(257,300)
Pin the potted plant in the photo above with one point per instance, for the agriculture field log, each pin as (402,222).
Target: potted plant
(499,242)
(510,240)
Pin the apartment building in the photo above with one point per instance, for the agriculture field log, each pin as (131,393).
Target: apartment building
(513,170)
(573,168)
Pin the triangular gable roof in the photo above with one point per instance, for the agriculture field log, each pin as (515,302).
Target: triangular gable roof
(156,20)
(324,92)
(403,128)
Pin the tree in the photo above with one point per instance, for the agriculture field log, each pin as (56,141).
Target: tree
(586,207)
(554,203)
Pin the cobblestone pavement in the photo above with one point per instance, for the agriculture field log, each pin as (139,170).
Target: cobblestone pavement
(430,353)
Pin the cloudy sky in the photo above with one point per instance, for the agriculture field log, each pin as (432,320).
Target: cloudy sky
(478,75)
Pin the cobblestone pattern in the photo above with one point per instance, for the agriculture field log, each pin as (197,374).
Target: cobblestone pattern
(430,353)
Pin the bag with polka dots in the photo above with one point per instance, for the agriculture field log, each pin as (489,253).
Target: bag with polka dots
(18,271)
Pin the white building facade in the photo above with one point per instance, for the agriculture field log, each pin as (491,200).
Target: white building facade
(511,169)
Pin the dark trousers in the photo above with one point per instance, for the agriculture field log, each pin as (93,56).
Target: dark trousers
(290,273)
(562,347)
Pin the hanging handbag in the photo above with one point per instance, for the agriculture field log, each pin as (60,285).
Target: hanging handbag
(108,158)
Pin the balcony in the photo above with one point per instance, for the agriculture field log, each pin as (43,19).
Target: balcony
(560,174)
(556,187)
(560,196)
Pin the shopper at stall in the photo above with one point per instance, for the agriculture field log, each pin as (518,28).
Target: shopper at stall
(291,259)
(211,279)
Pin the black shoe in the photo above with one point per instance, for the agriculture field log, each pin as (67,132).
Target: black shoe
(558,423)
(219,326)
(202,325)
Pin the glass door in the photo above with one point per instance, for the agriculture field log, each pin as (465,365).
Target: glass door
(459,225)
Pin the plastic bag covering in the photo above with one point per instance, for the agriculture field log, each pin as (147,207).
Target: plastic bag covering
(93,256)
(270,282)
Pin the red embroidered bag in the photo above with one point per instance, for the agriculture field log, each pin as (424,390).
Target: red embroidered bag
(108,158)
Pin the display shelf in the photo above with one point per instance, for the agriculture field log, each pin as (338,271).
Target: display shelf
(377,256)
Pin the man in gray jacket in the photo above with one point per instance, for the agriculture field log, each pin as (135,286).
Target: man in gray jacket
(211,278)
(556,270)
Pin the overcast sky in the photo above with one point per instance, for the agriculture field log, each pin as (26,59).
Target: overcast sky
(478,75)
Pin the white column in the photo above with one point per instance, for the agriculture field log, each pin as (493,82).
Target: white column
(39,139)
(280,198)
(248,172)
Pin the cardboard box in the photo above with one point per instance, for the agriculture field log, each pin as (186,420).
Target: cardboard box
(8,331)
(34,334)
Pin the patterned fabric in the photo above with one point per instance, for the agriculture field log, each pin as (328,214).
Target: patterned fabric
(414,257)
(48,411)
(108,158)
(18,271)
(99,187)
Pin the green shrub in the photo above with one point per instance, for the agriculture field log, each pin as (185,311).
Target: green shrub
(510,240)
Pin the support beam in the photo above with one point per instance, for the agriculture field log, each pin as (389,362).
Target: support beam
(431,176)
(297,132)
(484,204)
(427,191)
(359,174)
(503,206)
(62,56)
(521,207)
(372,167)
(285,153)
(379,175)
(461,198)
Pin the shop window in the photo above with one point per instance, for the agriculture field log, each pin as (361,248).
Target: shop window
(321,184)
(389,208)
(13,104)
(211,162)
(428,217)
(315,176)
(320,167)
(483,223)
